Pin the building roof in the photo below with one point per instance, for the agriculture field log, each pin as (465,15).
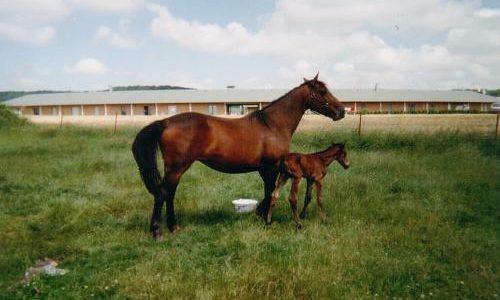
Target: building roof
(240,96)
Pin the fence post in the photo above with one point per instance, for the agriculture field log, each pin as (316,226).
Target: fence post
(60,123)
(496,126)
(116,118)
(359,125)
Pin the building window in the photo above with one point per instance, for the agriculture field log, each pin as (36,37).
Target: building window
(146,110)
(389,108)
(75,110)
(123,110)
(212,109)
(97,110)
(432,107)
(462,107)
(250,108)
(235,109)
(362,107)
(55,111)
(36,111)
(172,109)
(412,107)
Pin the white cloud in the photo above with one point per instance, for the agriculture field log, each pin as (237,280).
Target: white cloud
(36,36)
(114,38)
(87,66)
(487,13)
(33,21)
(31,12)
(426,43)
(108,5)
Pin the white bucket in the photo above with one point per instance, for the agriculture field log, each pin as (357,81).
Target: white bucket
(244,205)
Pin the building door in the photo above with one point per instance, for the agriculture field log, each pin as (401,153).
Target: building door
(146,110)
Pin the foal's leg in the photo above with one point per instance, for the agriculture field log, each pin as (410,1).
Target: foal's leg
(269,176)
(293,201)
(307,199)
(320,200)
(275,195)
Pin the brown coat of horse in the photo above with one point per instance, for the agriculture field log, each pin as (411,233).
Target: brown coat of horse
(313,167)
(255,142)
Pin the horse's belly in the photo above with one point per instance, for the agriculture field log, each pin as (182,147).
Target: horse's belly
(224,166)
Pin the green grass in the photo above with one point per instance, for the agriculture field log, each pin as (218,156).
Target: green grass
(415,216)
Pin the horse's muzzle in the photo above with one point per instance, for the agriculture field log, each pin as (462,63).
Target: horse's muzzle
(337,115)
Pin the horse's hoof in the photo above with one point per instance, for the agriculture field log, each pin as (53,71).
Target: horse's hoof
(174,228)
(158,238)
(262,210)
(299,226)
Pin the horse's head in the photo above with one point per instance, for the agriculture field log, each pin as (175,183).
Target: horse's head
(322,101)
(341,155)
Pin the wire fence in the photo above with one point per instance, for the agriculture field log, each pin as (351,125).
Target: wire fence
(427,123)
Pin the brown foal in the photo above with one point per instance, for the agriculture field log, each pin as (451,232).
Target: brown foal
(313,167)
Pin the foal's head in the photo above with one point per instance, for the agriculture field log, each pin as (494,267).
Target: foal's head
(322,101)
(340,155)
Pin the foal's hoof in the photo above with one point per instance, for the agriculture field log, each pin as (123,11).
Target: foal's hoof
(174,228)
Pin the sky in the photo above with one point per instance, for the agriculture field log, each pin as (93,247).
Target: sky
(94,44)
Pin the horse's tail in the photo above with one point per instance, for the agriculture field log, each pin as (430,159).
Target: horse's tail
(145,146)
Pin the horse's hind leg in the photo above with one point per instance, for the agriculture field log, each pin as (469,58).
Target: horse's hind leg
(169,184)
(307,199)
(155,219)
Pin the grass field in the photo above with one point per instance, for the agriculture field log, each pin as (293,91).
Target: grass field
(416,216)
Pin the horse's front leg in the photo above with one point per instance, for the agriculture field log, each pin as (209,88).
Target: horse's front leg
(269,176)
(275,195)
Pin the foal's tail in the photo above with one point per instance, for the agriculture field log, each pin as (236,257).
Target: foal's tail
(145,146)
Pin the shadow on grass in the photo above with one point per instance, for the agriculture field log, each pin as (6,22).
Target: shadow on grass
(212,217)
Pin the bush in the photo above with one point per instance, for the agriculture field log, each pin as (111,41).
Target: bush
(8,118)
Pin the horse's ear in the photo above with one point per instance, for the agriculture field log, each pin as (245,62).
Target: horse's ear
(305,80)
(316,77)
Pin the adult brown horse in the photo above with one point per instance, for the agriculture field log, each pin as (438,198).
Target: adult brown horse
(255,142)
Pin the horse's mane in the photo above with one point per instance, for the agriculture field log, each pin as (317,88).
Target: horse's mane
(261,115)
